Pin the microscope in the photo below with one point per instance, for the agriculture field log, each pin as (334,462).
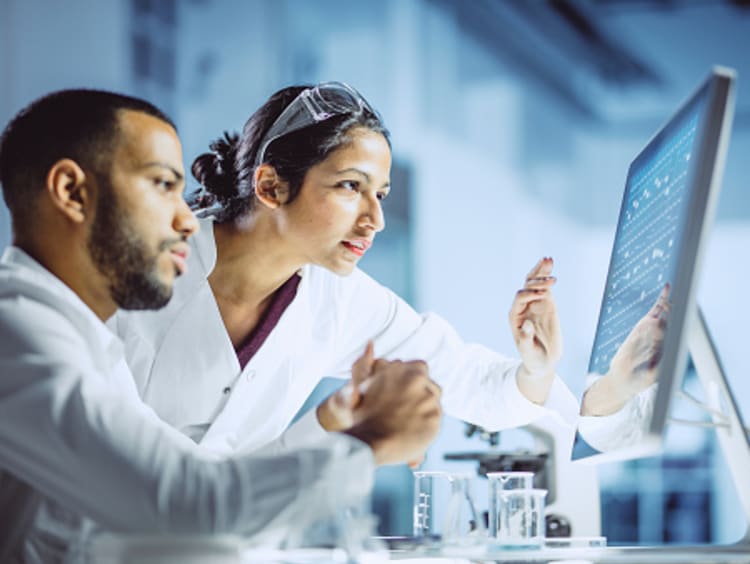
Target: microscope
(572,507)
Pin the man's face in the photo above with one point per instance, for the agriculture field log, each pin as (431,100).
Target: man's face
(137,238)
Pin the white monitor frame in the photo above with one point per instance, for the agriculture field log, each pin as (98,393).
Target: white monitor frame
(702,208)
(687,333)
(725,415)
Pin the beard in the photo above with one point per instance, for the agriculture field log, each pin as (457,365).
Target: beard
(124,258)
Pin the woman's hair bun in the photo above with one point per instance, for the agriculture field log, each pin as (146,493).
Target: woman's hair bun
(216,171)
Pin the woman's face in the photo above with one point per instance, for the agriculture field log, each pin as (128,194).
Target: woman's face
(334,219)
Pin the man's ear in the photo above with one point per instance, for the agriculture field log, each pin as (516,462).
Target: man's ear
(270,190)
(69,189)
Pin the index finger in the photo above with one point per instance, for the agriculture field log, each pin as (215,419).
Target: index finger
(540,282)
(541,269)
(662,302)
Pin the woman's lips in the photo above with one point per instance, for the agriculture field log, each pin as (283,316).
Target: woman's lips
(357,246)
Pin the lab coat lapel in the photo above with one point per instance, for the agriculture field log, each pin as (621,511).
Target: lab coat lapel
(200,375)
(261,404)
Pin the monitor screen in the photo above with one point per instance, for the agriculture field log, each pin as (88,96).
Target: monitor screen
(639,353)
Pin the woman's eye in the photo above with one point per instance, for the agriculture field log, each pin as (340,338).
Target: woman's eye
(382,196)
(351,185)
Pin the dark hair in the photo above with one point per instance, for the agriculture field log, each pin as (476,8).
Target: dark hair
(78,124)
(226,173)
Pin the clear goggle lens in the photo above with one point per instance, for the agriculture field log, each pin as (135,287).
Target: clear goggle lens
(314,105)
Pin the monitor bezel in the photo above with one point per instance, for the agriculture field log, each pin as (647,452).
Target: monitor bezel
(705,178)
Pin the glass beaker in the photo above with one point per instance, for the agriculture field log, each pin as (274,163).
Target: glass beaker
(511,480)
(463,524)
(425,486)
(518,518)
(505,481)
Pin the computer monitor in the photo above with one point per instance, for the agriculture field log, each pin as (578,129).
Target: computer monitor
(649,320)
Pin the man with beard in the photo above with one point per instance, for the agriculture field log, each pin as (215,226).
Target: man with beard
(94,183)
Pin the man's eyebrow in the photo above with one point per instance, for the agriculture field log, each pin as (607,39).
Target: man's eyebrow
(159,164)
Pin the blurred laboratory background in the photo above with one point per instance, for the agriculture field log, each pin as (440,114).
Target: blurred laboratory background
(513,123)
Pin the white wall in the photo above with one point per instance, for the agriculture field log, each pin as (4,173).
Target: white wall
(48,45)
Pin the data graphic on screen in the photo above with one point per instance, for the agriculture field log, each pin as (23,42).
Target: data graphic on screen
(644,254)
(639,350)
(650,322)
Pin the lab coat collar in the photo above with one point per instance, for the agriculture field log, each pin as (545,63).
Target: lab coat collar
(204,248)
(204,245)
(34,274)
(271,368)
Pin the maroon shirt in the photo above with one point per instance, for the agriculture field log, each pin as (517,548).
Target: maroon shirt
(280,301)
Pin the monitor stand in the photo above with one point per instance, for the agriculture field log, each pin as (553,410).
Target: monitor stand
(725,415)
(733,438)
(732,435)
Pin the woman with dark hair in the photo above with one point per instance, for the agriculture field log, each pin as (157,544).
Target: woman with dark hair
(273,300)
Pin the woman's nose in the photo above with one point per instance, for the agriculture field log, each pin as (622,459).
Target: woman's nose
(372,215)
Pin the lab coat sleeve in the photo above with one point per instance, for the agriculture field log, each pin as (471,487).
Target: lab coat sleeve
(479,385)
(80,440)
(623,428)
(304,432)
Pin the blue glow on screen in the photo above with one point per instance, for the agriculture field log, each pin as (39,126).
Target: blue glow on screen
(649,233)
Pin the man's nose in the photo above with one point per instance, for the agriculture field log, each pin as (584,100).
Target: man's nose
(185,221)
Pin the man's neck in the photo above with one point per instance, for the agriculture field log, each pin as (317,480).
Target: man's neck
(71,264)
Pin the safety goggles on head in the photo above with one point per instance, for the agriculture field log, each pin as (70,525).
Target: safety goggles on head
(312,106)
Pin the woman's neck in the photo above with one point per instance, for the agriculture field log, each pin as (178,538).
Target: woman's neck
(249,266)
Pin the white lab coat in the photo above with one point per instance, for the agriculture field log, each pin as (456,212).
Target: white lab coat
(186,367)
(625,427)
(73,427)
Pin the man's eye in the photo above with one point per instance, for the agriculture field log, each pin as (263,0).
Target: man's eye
(382,195)
(164,183)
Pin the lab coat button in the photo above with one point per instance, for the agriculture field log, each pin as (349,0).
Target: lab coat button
(250,375)
(226,390)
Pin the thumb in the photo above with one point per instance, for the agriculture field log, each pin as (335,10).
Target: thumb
(416,462)
(526,336)
(362,367)
(527,330)
(344,397)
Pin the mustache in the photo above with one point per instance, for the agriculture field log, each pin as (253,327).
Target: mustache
(166,244)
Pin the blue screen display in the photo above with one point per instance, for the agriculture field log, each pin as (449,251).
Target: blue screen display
(647,243)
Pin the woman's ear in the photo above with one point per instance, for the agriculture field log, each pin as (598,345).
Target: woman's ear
(69,189)
(270,190)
